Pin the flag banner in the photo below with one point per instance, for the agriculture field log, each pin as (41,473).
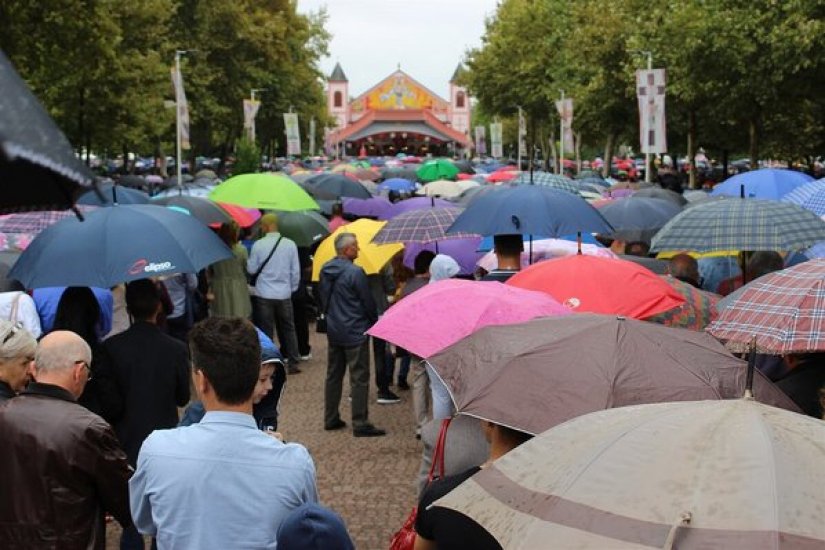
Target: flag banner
(311,148)
(565,109)
(650,91)
(328,149)
(250,111)
(496,145)
(182,108)
(481,140)
(293,134)
(522,133)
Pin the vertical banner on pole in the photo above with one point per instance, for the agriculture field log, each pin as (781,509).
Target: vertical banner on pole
(311,148)
(496,145)
(293,134)
(650,92)
(182,107)
(481,140)
(522,133)
(565,109)
(250,111)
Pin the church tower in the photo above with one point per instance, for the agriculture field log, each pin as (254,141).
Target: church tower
(459,103)
(338,96)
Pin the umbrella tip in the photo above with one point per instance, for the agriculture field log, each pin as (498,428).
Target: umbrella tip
(751,368)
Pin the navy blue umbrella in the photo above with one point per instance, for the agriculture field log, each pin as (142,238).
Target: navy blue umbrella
(116,245)
(530,209)
(639,218)
(338,185)
(112,194)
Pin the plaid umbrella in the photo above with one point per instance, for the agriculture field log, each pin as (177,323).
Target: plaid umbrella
(420,226)
(810,196)
(741,224)
(33,223)
(548,180)
(784,311)
(696,313)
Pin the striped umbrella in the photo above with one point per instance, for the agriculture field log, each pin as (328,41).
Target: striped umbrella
(741,224)
(810,196)
(420,226)
(696,313)
(784,311)
(548,180)
(34,222)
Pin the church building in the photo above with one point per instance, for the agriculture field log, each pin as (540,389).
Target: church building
(397,115)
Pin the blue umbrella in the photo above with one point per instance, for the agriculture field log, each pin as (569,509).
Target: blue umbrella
(531,209)
(486,244)
(767,183)
(810,196)
(639,218)
(113,193)
(116,245)
(397,184)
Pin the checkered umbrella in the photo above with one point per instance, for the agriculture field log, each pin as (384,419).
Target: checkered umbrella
(810,196)
(548,180)
(741,224)
(696,313)
(420,226)
(784,311)
(33,223)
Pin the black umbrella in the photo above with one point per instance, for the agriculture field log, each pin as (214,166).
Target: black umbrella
(659,193)
(464,166)
(202,209)
(305,227)
(38,168)
(338,185)
(110,194)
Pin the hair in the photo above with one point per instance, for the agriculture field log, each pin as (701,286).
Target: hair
(422,262)
(15,341)
(764,262)
(227,351)
(142,299)
(228,232)
(637,248)
(510,245)
(684,267)
(338,209)
(51,357)
(269,220)
(79,312)
(344,240)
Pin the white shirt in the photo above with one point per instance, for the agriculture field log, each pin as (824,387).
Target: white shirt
(26,311)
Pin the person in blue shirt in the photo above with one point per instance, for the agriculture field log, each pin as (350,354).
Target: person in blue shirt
(47,299)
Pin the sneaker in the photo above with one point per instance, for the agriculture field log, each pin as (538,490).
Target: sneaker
(368,431)
(403,386)
(337,425)
(306,357)
(386,397)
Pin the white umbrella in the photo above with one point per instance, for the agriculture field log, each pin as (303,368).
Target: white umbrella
(707,474)
(446,188)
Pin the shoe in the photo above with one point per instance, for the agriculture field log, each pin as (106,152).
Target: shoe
(368,431)
(418,433)
(306,357)
(403,386)
(292,369)
(386,397)
(336,425)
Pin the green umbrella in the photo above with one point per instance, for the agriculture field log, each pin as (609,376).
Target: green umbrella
(437,169)
(264,190)
(305,227)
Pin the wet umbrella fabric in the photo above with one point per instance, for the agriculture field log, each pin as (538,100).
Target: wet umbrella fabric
(810,196)
(265,191)
(698,311)
(639,218)
(375,207)
(305,227)
(118,244)
(420,226)
(416,203)
(659,193)
(766,183)
(463,251)
(436,169)
(338,186)
(397,184)
(204,210)
(548,180)
(110,193)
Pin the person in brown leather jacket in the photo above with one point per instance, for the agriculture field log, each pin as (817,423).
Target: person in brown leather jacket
(61,466)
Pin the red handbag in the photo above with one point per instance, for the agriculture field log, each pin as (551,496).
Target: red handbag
(404,538)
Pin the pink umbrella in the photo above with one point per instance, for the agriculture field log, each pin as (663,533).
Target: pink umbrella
(443,313)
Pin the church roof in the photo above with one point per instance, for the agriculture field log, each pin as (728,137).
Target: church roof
(458,72)
(338,74)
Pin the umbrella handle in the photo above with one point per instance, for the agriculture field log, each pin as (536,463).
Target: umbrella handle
(751,369)
(684,519)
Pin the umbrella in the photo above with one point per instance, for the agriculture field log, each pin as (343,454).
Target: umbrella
(172,181)
(245,217)
(371,257)
(767,183)
(118,244)
(446,188)
(32,223)
(784,311)
(600,285)
(638,218)
(338,186)
(204,210)
(659,267)
(110,194)
(442,313)
(192,189)
(531,209)
(436,169)
(502,175)
(547,249)
(374,207)
(810,196)
(618,192)
(397,184)
(593,180)
(741,224)
(415,203)
(464,166)
(732,474)
(463,251)
(659,193)
(404,172)
(264,190)
(206,173)
(305,227)
(547,179)
(488,243)
(133,181)
(37,164)
(696,313)
(420,226)
(469,194)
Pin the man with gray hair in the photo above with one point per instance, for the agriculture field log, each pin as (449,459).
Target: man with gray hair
(61,467)
(350,310)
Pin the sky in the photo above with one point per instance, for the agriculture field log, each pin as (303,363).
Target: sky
(427,37)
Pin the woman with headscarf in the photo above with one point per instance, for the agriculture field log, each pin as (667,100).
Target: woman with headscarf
(442,267)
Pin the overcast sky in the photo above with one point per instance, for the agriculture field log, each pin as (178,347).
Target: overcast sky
(427,37)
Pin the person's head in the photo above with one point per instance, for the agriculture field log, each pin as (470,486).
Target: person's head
(685,268)
(337,210)
(143,300)
(503,439)
(17,349)
(228,232)
(269,223)
(421,264)
(269,362)
(764,262)
(346,246)
(63,359)
(443,267)
(226,360)
(637,248)
(313,527)
(508,245)
(79,312)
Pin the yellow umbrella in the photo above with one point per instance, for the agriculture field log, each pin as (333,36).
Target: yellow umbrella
(668,254)
(371,257)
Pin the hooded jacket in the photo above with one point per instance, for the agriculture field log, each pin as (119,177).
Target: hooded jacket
(347,302)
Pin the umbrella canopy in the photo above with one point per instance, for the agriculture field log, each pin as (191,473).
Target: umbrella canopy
(444,312)
(741,224)
(537,374)
(767,183)
(37,164)
(463,251)
(110,194)
(659,193)
(530,209)
(397,184)
(305,227)
(265,191)
(696,313)
(547,179)
(371,257)
(502,175)
(118,244)
(407,172)
(245,217)
(638,218)
(338,186)
(32,223)
(784,311)
(420,226)
(600,285)
(436,169)
(415,203)
(202,209)
(733,474)
(446,188)
(810,196)
(547,249)
(374,207)
(133,181)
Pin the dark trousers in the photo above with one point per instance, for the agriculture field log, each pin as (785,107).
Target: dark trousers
(178,327)
(383,362)
(130,539)
(357,360)
(267,314)
(300,307)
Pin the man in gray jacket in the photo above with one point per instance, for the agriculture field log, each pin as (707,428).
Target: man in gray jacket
(350,310)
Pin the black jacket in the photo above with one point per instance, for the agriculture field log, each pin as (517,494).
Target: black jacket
(347,300)
(804,383)
(6,392)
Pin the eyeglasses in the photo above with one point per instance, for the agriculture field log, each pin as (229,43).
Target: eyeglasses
(87,367)
(14,330)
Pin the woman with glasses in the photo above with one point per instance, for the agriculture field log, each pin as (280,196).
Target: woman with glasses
(17,347)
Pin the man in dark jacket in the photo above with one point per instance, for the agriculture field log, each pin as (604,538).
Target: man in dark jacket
(61,466)
(350,310)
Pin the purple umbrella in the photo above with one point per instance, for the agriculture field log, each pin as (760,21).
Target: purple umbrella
(375,207)
(618,193)
(463,251)
(416,203)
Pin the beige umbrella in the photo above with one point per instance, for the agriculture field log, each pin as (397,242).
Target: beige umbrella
(446,188)
(703,474)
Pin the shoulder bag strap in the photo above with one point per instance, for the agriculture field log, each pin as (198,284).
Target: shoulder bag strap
(438,453)
(271,252)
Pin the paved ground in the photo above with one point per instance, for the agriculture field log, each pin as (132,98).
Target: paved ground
(369,481)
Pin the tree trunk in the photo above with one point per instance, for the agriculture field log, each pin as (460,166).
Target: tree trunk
(553,151)
(691,149)
(753,141)
(608,154)
(725,163)
(124,169)
(81,122)
(578,137)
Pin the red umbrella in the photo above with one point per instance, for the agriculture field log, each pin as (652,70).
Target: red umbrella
(503,175)
(244,216)
(601,285)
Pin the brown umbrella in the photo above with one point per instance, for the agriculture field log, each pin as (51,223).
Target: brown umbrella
(535,375)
